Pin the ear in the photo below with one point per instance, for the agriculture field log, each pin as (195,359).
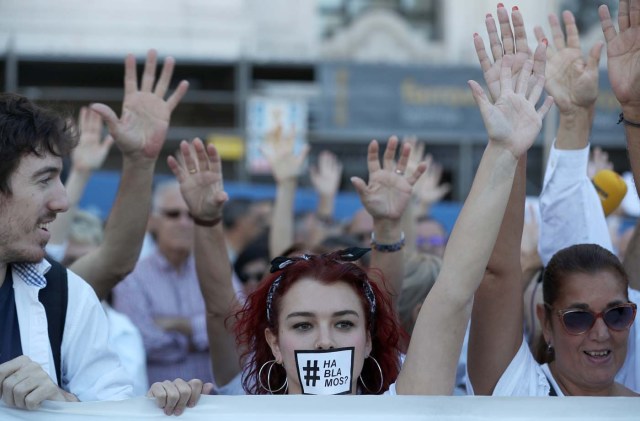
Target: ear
(368,346)
(272,341)
(545,323)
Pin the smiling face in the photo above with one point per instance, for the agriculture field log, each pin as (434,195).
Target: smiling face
(586,364)
(313,316)
(37,196)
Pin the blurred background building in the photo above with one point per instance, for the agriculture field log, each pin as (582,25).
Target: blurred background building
(342,71)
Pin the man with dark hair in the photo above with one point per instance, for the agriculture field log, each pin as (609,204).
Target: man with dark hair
(32,142)
(53,330)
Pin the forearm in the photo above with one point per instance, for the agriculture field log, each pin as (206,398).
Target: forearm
(497,307)
(480,220)
(633,142)
(281,231)
(390,263)
(465,259)
(570,209)
(631,261)
(124,231)
(574,129)
(214,270)
(214,275)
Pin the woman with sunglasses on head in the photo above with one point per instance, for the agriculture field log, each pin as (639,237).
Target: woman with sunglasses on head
(586,313)
(315,321)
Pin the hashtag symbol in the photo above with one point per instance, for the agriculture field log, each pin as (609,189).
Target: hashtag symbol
(311,373)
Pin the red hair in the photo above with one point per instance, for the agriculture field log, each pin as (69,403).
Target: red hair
(383,325)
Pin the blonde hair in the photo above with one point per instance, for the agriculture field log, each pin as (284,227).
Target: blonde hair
(420,273)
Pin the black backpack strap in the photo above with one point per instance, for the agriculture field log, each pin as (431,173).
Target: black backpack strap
(54,298)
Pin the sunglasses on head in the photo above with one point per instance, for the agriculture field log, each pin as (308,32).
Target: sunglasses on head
(175,213)
(578,321)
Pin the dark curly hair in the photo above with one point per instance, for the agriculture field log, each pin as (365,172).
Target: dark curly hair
(26,128)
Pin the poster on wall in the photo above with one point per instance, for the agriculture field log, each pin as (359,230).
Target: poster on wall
(264,115)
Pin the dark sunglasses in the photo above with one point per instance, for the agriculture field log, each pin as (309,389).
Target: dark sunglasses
(175,213)
(246,277)
(578,321)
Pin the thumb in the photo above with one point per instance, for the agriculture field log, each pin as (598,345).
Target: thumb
(108,115)
(593,60)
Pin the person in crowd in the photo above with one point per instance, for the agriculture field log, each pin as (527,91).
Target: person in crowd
(242,225)
(54,344)
(581,283)
(252,264)
(162,298)
(326,305)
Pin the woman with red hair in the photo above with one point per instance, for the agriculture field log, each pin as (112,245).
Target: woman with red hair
(322,325)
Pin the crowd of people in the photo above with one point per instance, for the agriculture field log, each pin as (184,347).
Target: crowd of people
(185,291)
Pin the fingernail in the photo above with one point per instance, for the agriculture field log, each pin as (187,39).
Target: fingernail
(545,41)
(475,34)
(514,9)
(488,15)
(500,5)
(178,411)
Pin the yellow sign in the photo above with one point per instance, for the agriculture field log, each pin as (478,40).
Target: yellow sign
(230,148)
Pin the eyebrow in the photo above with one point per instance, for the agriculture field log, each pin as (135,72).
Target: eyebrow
(46,170)
(310,314)
(584,306)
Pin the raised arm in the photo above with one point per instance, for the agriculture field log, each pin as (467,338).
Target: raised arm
(570,208)
(512,125)
(139,133)
(285,167)
(498,305)
(87,157)
(325,177)
(623,54)
(386,196)
(496,319)
(201,184)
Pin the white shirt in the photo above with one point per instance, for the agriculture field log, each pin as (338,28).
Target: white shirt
(89,369)
(523,377)
(126,341)
(570,209)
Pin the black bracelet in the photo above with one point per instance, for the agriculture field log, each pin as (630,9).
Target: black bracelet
(205,223)
(387,248)
(627,122)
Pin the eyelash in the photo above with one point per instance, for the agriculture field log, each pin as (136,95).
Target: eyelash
(343,324)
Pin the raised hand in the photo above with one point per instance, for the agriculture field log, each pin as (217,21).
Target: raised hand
(512,121)
(572,81)
(200,179)
(503,45)
(623,51)
(278,149)
(388,191)
(326,175)
(90,153)
(142,127)
(598,160)
(428,189)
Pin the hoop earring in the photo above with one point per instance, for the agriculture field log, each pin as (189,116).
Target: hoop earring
(381,378)
(268,389)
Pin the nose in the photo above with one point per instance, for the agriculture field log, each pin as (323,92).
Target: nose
(600,330)
(58,202)
(324,339)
